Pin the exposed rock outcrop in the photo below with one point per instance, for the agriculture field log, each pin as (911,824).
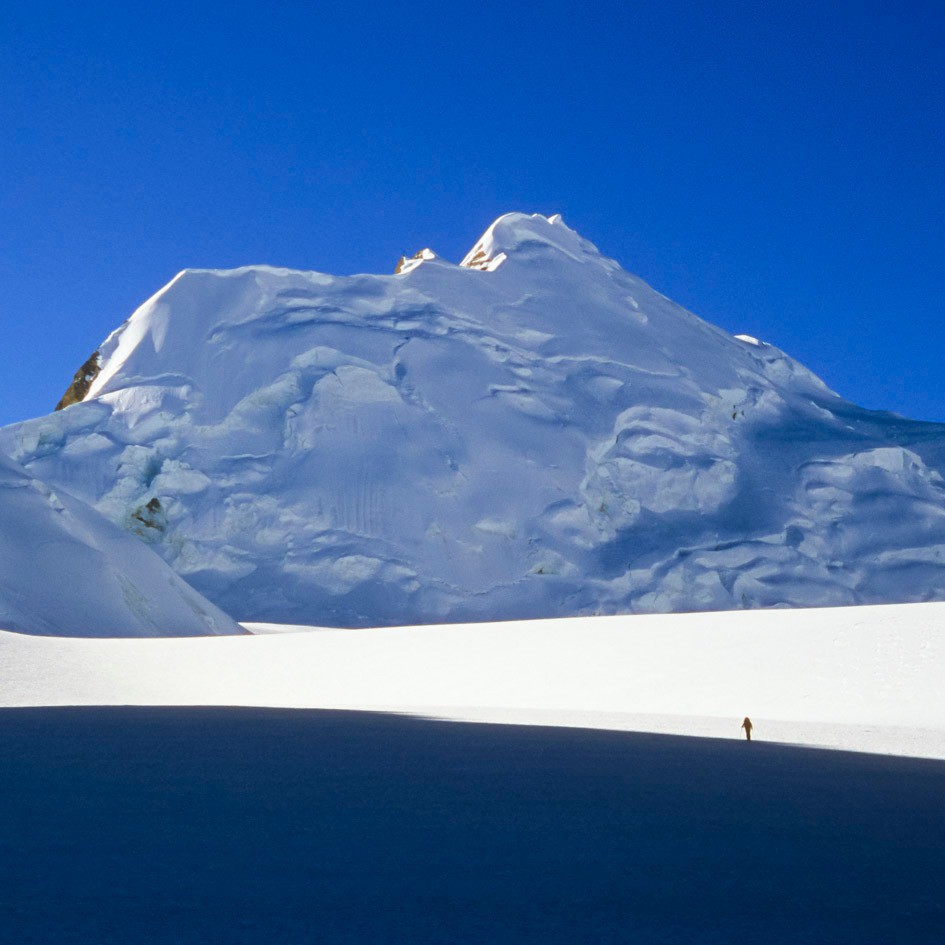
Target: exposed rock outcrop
(79,388)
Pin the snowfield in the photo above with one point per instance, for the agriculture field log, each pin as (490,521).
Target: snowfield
(240,826)
(259,826)
(531,433)
(863,678)
(209,790)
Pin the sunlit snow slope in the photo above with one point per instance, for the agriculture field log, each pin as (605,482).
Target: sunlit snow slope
(65,570)
(861,678)
(534,432)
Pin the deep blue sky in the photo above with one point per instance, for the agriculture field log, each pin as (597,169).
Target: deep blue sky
(777,168)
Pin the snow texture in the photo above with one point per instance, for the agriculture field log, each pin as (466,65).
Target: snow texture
(857,678)
(532,433)
(64,569)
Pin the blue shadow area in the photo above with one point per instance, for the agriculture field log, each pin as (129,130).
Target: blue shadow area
(203,825)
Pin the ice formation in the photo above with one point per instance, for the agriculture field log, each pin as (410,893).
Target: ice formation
(65,570)
(533,432)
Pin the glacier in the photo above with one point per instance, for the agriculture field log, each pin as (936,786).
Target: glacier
(67,571)
(533,432)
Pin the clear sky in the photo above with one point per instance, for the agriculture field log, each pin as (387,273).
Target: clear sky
(779,169)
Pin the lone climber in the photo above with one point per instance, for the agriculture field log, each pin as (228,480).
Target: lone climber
(747,726)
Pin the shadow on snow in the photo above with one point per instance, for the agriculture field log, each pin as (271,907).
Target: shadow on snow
(206,825)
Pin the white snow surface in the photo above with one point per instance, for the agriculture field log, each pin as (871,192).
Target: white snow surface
(65,569)
(532,433)
(858,678)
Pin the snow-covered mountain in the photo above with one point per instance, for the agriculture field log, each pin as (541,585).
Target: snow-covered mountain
(65,570)
(533,432)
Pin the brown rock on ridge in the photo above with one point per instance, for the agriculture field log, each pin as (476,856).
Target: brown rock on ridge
(81,382)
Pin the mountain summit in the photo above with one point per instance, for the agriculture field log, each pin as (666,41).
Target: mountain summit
(533,432)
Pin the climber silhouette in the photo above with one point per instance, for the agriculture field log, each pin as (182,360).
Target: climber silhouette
(747,726)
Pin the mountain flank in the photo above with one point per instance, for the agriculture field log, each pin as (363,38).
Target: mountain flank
(534,432)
